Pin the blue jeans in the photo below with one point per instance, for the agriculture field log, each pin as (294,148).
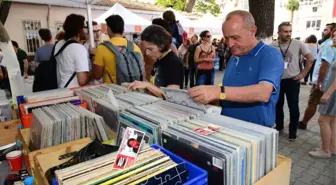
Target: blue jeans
(205,77)
(192,74)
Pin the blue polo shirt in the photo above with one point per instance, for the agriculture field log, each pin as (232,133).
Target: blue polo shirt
(263,63)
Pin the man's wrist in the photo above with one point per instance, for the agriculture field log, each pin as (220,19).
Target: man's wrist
(217,90)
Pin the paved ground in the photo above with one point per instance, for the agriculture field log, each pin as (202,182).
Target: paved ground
(305,169)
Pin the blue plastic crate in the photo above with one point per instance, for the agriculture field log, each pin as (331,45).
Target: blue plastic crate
(197,176)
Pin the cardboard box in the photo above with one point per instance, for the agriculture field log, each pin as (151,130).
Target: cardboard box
(280,175)
(9,131)
(29,153)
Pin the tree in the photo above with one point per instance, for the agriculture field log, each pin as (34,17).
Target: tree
(204,6)
(263,13)
(176,4)
(292,6)
(200,5)
(190,6)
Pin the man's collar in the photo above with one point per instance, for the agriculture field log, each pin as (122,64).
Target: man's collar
(257,48)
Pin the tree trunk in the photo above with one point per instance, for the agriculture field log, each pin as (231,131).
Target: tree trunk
(292,16)
(263,13)
(189,6)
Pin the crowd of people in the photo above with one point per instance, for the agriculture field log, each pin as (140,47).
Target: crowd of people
(257,76)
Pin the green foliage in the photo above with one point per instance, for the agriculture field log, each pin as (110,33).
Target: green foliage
(205,6)
(293,5)
(176,4)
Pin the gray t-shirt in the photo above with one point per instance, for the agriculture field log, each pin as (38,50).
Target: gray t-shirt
(296,50)
(43,53)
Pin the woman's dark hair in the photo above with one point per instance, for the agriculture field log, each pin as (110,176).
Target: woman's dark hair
(158,36)
(116,24)
(73,25)
(312,39)
(163,23)
(15,44)
(169,16)
(45,34)
(204,33)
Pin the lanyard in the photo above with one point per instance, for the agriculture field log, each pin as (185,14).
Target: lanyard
(284,54)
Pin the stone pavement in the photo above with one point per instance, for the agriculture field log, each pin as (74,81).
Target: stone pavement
(306,170)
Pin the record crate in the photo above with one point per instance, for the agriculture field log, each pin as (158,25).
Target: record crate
(280,175)
(30,154)
(27,118)
(9,129)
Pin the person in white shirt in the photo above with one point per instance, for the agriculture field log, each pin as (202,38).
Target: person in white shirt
(74,57)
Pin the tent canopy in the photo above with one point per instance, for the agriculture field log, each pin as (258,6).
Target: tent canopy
(209,22)
(133,22)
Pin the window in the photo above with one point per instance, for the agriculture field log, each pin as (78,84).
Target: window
(313,24)
(32,39)
(308,24)
(245,5)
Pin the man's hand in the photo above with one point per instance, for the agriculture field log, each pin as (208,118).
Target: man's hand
(138,85)
(205,94)
(25,76)
(299,77)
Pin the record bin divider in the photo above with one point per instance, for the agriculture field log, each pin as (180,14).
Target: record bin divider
(197,176)
(26,119)
(29,154)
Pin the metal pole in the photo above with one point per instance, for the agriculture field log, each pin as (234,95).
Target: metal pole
(89,15)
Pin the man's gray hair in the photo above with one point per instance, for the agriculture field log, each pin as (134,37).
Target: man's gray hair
(245,15)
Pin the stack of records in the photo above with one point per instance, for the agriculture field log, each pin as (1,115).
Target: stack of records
(151,167)
(233,152)
(5,108)
(47,95)
(65,122)
(164,112)
(96,92)
(152,130)
(28,107)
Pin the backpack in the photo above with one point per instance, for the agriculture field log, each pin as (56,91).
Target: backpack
(45,77)
(129,67)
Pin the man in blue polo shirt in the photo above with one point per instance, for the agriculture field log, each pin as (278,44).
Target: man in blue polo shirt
(251,82)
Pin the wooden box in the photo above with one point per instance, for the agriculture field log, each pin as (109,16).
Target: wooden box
(9,131)
(280,175)
(29,154)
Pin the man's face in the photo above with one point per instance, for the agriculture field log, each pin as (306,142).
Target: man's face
(285,33)
(151,50)
(15,49)
(334,38)
(326,32)
(237,37)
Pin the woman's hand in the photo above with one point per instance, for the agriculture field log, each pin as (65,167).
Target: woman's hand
(325,98)
(138,85)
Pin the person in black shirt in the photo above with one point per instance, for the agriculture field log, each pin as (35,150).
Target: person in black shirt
(191,61)
(22,58)
(168,66)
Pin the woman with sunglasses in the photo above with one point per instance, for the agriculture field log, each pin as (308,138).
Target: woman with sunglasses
(205,55)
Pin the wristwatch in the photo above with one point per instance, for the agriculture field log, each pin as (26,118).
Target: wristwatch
(222,95)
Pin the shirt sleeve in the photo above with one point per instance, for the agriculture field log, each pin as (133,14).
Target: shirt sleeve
(304,49)
(99,58)
(81,59)
(271,69)
(174,78)
(327,54)
(37,56)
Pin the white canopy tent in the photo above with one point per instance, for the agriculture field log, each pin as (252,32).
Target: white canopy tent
(133,22)
(209,22)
